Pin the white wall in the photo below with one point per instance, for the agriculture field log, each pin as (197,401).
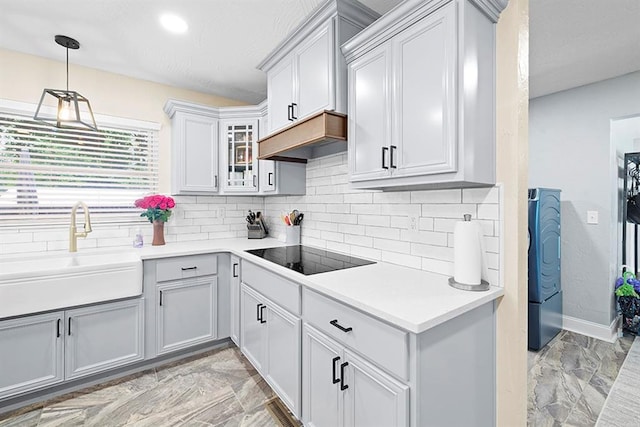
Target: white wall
(570,149)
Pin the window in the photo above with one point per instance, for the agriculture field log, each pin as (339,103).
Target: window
(45,170)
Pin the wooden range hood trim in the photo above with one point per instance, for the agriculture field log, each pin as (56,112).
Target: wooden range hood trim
(326,126)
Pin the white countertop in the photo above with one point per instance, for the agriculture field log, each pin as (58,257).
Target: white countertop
(411,299)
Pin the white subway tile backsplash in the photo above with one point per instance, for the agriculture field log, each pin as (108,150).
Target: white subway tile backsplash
(364,241)
(365,223)
(449,210)
(481,195)
(436,196)
(378,220)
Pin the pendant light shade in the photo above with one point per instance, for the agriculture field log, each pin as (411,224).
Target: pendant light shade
(72,109)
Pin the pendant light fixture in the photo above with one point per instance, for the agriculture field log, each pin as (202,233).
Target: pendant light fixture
(73,109)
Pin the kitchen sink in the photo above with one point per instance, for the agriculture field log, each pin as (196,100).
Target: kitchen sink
(49,282)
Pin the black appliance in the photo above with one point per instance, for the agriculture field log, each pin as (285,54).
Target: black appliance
(308,260)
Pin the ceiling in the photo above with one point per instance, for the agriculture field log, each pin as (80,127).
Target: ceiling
(572,42)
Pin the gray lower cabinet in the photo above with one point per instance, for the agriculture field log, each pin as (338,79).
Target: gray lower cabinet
(235,299)
(46,349)
(102,337)
(31,353)
(270,339)
(341,388)
(186,313)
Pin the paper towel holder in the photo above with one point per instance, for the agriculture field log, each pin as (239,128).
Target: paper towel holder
(483,286)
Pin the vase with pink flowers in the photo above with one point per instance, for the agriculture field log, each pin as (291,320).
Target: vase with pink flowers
(157,209)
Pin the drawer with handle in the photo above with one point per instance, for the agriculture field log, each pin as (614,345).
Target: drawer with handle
(285,292)
(382,343)
(186,266)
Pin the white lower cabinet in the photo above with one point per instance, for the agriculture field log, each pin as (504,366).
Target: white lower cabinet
(270,339)
(31,353)
(234,307)
(186,313)
(102,337)
(46,349)
(342,389)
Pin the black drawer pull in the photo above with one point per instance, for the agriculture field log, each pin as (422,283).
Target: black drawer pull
(235,269)
(262,320)
(160,297)
(58,328)
(290,112)
(384,150)
(69,330)
(270,180)
(293,117)
(189,268)
(334,368)
(343,386)
(335,323)
(258,312)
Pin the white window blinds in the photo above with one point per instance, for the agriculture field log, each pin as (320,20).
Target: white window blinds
(45,170)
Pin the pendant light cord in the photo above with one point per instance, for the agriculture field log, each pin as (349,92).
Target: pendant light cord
(67,69)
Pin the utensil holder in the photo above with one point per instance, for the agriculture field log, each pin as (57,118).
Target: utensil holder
(255,231)
(292,234)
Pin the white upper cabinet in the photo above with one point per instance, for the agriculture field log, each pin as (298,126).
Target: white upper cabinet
(306,73)
(215,151)
(240,152)
(194,152)
(422,97)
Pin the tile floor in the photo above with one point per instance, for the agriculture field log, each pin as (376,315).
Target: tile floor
(570,379)
(218,388)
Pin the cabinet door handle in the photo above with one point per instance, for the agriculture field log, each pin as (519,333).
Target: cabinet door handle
(58,328)
(270,180)
(235,269)
(69,329)
(293,105)
(393,149)
(262,314)
(335,323)
(384,150)
(189,268)
(258,312)
(290,112)
(254,180)
(215,178)
(343,386)
(334,368)
(161,298)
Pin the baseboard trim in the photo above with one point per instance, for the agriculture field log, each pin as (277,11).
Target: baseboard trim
(591,329)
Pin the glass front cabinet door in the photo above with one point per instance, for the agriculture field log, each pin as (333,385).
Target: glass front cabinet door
(239,143)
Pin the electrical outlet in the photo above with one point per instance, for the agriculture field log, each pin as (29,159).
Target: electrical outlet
(413,223)
(592,217)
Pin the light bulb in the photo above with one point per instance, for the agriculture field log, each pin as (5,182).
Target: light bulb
(65,110)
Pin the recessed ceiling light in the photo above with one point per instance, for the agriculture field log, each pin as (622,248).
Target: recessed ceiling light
(173,23)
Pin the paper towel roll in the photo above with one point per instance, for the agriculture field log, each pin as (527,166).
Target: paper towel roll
(467,252)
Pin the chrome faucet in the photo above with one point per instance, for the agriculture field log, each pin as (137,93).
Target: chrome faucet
(73,231)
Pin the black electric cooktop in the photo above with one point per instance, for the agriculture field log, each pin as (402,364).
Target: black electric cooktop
(307,260)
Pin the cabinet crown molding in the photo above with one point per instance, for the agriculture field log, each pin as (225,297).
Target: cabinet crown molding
(403,16)
(351,10)
(244,111)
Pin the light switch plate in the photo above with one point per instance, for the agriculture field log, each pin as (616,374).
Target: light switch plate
(592,217)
